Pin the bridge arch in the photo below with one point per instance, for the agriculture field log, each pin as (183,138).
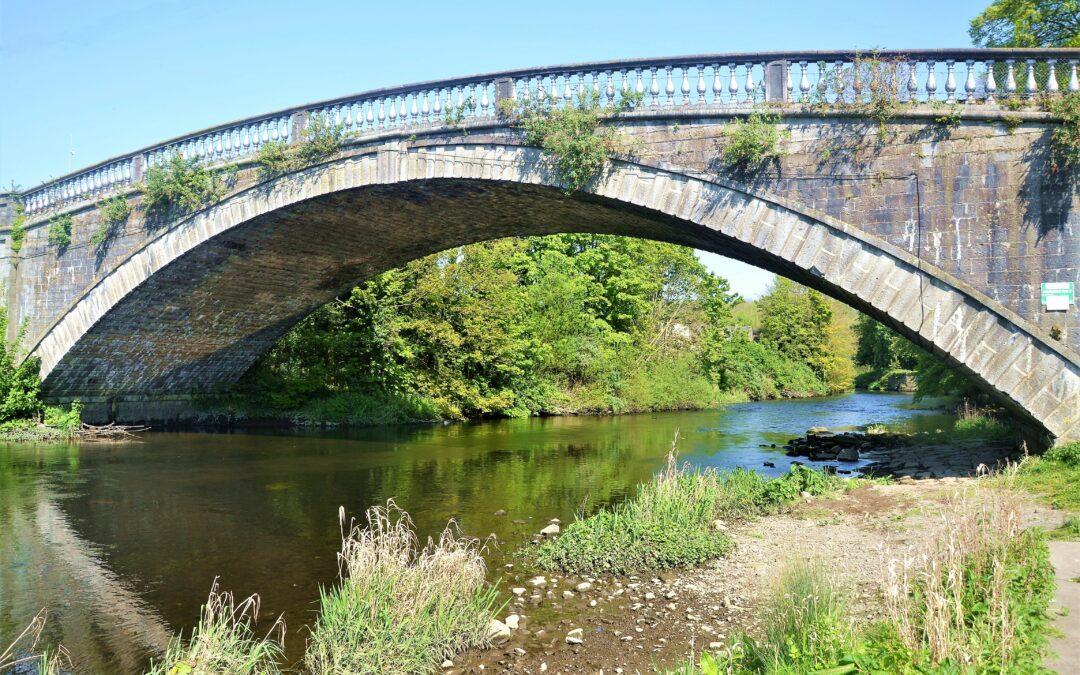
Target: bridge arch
(196,305)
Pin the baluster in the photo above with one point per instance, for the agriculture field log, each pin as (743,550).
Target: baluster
(654,88)
(931,82)
(991,85)
(856,82)
(580,88)
(567,94)
(1032,85)
(700,84)
(733,84)
(415,110)
(913,82)
(669,88)
(596,86)
(610,77)
(685,88)
(1074,83)
(717,85)
(804,82)
(950,82)
(969,83)
(127,171)
(1051,80)
(391,112)
(245,140)
(382,113)
(437,107)
(790,79)
(485,101)
(1010,77)
(750,86)
(402,109)
(553,93)
(639,84)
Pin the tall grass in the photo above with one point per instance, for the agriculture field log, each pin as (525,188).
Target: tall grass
(23,651)
(973,599)
(805,628)
(975,423)
(1055,475)
(976,595)
(669,522)
(400,608)
(224,641)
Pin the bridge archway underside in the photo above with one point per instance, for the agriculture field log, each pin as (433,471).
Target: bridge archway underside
(197,305)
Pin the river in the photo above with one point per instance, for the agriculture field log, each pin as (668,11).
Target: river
(121,542)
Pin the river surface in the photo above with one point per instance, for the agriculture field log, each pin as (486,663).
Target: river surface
(121,542)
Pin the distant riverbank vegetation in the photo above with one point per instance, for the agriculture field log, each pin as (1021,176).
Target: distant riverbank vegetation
(563,324)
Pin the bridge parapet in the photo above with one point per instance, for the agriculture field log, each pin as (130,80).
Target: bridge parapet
(710,82)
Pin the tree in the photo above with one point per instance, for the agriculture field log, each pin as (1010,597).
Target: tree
(1027,23)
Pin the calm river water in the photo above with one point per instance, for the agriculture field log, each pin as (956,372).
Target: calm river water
(122,542)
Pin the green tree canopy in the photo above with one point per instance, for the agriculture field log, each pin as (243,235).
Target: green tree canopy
(1027,23)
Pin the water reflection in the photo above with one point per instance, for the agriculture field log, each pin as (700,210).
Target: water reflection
(122,542)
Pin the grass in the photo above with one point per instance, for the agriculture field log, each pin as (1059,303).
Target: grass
(1067,531)
(1055,476)
(23,652)
(400,608)
(224,641)
(669,523)
(974,598)
(978,424)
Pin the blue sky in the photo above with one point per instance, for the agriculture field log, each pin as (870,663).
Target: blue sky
(84,80)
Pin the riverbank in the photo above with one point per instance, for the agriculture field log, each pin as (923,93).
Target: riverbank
(660,620)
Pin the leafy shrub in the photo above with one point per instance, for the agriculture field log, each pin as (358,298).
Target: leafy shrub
(870,86)
(18,228)
(184,185)
(741,364)
(112,213)
(58,233)
(753,142)
(1065,138)
(572,137)
(67,421)
(318,141)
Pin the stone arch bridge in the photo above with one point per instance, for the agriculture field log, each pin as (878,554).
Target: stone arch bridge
(943,223)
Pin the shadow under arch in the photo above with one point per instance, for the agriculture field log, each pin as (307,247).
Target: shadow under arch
(197,305)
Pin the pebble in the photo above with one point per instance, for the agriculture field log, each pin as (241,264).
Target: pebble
(518,591)
(498,631)
(513,621)
(574,637)
(538,581)
(650,596)
(550,530)
(447,664)
(583,586)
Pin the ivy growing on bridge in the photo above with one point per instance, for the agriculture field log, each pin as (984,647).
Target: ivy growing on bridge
(184,185)
(1065,138)
(58,233)
(112,213)
(18,228)
(753,142)
(318,141)
(573,138)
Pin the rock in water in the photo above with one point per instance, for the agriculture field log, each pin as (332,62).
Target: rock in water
(848,455)
(551,530)
(498,631)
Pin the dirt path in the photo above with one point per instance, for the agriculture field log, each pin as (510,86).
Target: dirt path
(1065,556)
(638,625)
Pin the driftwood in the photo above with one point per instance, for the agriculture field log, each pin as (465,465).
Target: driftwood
(108,432)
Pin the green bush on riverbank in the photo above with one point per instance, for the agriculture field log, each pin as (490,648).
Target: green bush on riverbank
(670,522)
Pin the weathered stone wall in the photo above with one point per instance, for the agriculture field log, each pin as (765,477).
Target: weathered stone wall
(970,212)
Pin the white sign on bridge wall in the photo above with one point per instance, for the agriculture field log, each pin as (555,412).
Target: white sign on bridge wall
(1058,295)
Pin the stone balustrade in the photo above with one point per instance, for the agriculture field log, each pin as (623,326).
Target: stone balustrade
(721,82)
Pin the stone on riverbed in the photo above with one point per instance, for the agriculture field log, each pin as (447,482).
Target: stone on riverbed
(551,530)
(498,631)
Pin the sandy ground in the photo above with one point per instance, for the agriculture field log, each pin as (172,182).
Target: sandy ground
(640,625)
